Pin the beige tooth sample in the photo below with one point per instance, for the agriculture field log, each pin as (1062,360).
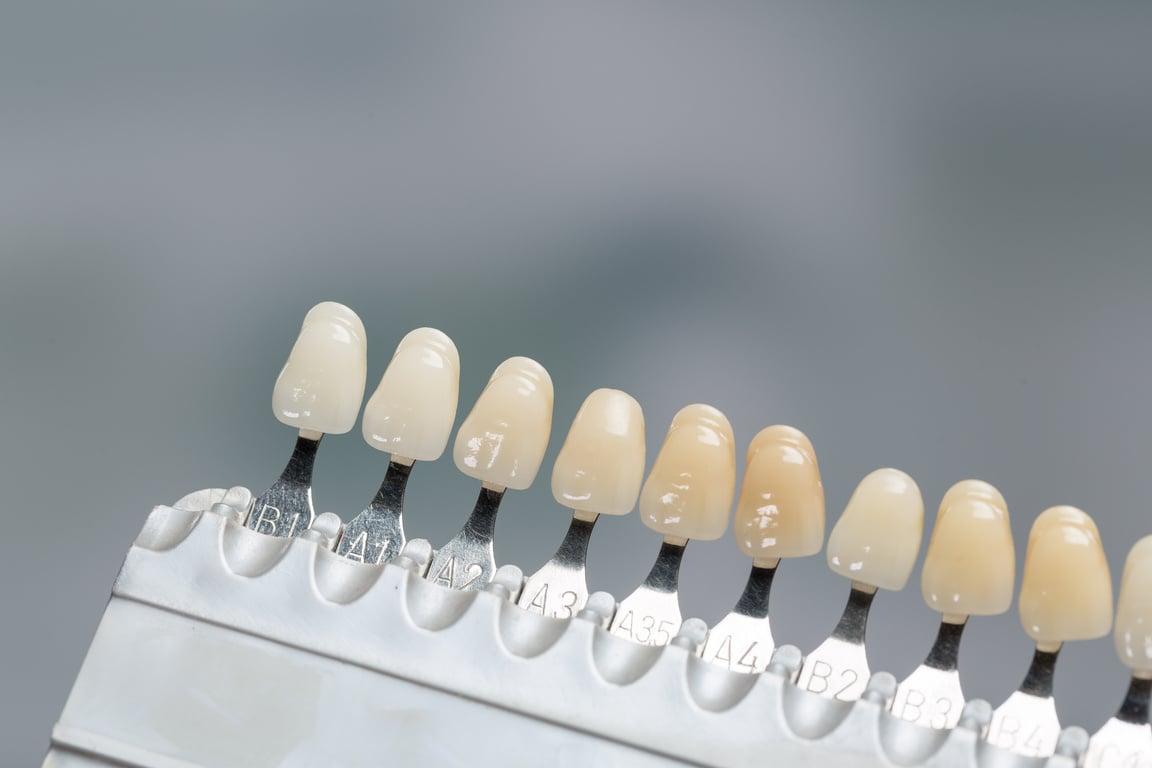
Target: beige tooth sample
(601,465)
(781,508)
(689,490)
(503,439)
(1134,613)
(322,384)
(970,567)
(876,540)
(1066,593)
(412,410)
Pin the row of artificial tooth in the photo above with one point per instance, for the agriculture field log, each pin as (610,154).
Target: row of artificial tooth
(969,567)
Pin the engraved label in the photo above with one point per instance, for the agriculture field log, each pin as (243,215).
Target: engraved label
(474,571)
(359,548)
(539,600)
(913,701)
(446,575)
(567,605)
(943,709)
(625,625)
(852,676)
(724,652)
(748,659)
(268,516)
(822,671)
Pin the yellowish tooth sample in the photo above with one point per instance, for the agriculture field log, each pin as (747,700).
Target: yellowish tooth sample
(503,439)
(781,508)
(322,384)
(412,411)
(1134,613)
(688,493)
(601,466)
(1067,590)
(970,567)
(877,538)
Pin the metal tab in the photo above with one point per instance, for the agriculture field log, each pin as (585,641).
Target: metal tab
(286,509)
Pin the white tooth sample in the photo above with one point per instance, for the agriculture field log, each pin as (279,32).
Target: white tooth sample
(322,384)
(412,410)
(877,538)
(688,493)
(503,439)
(781,508)
(601,466)
(1134,613)
(970,567)
(1066,593)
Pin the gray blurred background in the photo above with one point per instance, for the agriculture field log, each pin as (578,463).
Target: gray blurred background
(923,237)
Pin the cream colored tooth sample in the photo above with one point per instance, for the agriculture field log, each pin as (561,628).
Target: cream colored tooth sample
(1067,590)
(970,567)
(1134,613)
(412,410)
(503,440)
(688,493)
(322,383)
(601,466)
(781,508)
(877,538)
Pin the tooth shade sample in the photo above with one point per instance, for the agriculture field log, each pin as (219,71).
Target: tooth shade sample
(781,508)
(1067,590)
(601,466)
(503,440)
(322,383)
(971,562)
(1134,613)
(689,490)
(877,538)
(412,411)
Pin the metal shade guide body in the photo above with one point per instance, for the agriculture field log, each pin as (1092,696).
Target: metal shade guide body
(1125,741)
(931,696)
(838,668)
(651,614)
(376,535)
(742,641)
(560,588)
(468,561)
(286,508)
(1026,723)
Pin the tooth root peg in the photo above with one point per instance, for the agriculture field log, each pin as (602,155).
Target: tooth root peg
(779,514)
(969,570)
(501,443)
(874,543)
(319,392)
(1066,594)
(410,416)
(688,495)
(598,472)
(1126,739)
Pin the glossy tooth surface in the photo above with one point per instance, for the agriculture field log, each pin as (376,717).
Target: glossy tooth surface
(322,383)
(1134,613)
(688,493)
(503,440)
(970,567)
(877,538)
(412,410)
(781,508)
(601,466)
(1066,593)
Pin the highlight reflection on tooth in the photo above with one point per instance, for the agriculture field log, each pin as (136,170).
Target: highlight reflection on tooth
(319,391)
(874,543)
(410,415)
(780,513)
(598,472)
(1066,595)
(688,495)
(969,570)
(501,443)
(1126,739)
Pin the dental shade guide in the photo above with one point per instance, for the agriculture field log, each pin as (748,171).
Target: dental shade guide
(233,638)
